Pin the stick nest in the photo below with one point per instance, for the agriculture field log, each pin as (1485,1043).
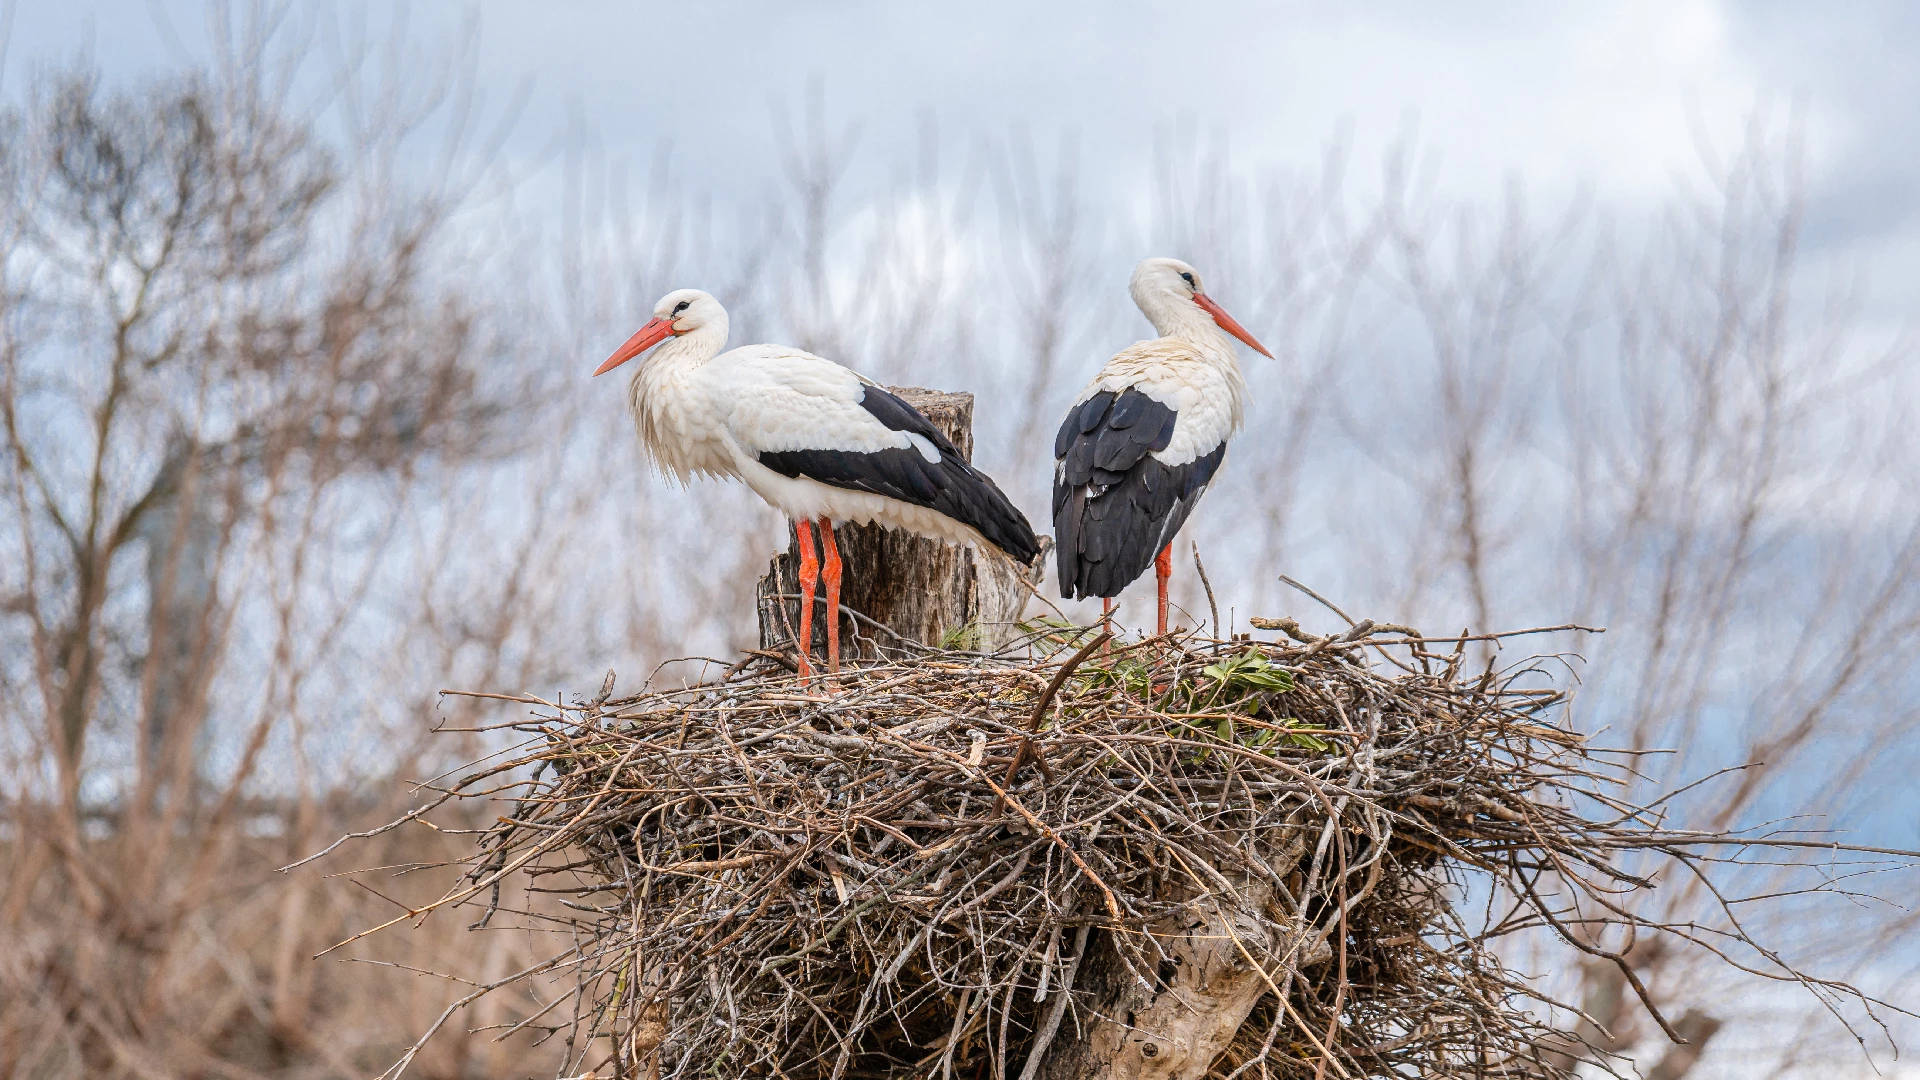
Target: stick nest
(755,878)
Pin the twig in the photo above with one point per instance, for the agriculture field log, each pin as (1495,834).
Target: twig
(1213,606)
(1040,710)
(1051,1026)
(1324,602)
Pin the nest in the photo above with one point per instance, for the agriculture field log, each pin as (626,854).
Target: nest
(960,864)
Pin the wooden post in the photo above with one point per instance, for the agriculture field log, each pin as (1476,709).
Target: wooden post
(905,588)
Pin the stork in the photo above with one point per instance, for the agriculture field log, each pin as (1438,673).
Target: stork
(815,440)
(1145,438)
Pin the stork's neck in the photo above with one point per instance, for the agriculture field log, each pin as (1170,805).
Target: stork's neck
(668,406)
(1180,318)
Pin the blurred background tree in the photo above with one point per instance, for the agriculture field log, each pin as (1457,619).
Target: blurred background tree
(228,365)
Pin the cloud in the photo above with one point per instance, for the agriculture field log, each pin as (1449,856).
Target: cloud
(1560,96)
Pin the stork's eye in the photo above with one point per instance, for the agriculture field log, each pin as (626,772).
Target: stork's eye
(1189,278)
(682,306)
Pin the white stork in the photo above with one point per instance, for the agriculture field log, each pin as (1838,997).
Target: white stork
(1145,437)
(815,440)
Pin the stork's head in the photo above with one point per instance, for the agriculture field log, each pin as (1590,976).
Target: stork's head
(1169,294)
(678,314)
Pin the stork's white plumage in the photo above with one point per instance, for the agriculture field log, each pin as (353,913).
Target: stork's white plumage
(817,441)
(1145,438)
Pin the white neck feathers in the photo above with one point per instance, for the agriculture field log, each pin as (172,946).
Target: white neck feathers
(667,405)
(1175,316)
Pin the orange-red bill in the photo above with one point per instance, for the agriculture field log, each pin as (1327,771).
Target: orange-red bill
(1228,324)
(645,338)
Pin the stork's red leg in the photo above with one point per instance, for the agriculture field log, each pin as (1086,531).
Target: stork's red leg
(1106,620)
(1162,570)
(831,551)
(809,578)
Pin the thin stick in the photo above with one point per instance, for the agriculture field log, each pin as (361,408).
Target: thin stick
(1051,1026)
(1324,602)
(1040,710)
(1213,606)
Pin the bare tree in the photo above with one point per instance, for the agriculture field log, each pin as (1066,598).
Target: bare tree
(229,358)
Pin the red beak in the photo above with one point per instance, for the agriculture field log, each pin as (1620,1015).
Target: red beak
(1228,324)
(646,338)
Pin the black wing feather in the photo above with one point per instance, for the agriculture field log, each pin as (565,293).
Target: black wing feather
(949,486)
(1082,418)
(1128,409)
(1114,505)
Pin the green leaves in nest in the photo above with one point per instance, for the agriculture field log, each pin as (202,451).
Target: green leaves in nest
(1240,687)
(964,638)
(1249,672)
(1050,630)
(1248,675)
(1227,730)
(1128,675)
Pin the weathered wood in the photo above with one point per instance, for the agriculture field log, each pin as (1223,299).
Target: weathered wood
(1177,1004)
(905,587)
(1172,1026)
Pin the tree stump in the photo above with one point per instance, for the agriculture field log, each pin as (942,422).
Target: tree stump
(904,588)
(1203,985)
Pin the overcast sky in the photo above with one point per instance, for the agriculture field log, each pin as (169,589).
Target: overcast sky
(1556,94)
